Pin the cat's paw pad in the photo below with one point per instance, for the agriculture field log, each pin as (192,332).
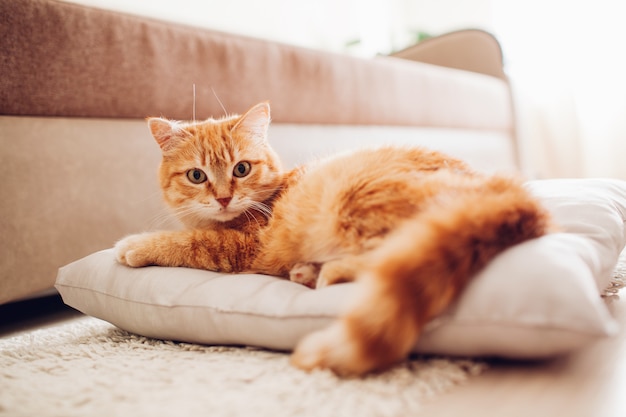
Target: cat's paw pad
(330,348)
(133,250)
(305,274)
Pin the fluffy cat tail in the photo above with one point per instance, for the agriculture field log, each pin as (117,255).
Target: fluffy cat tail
(420,270)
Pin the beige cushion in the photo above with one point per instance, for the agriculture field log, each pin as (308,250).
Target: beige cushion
(538,299)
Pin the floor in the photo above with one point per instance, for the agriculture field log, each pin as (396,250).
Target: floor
(589,383)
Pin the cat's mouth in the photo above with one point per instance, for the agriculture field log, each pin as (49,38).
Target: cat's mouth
(205,215)
(226,214)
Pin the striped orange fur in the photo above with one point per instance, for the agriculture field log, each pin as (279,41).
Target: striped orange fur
(411,226)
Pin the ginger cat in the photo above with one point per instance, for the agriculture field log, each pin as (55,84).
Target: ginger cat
(411,226)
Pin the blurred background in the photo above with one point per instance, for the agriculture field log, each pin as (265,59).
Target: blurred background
(565,59)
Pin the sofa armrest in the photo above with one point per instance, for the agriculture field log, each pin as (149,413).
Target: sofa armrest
(471,50)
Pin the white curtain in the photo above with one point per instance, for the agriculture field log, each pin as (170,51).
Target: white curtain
(567,62)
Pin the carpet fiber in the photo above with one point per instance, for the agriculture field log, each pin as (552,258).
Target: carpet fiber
(87,367)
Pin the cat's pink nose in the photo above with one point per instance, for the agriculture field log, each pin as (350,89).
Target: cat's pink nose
(224,201)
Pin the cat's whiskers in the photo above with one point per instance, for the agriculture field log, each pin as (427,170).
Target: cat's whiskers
(262,208)
(219,101)
(249,215)
(264,194)
(267,191)
(159,219)
(194,102)
(230,138)
(186,212)
(162,217)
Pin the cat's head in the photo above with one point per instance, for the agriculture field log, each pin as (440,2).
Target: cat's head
(216,170)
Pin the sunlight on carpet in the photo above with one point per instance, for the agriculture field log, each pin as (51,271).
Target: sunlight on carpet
(89,367)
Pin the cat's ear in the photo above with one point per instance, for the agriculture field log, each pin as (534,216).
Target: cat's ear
(163,131)
(255,122)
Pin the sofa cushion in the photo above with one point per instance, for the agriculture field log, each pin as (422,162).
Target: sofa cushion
(537,299)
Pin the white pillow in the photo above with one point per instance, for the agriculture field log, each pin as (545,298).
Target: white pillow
(538,299)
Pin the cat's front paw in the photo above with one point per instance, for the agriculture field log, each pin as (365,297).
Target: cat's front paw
(135,250)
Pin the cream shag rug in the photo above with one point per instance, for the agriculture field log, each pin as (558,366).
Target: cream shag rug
(87,367)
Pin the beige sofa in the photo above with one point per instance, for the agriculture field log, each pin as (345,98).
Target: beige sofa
(77,163)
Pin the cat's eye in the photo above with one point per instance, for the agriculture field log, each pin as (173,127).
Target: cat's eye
(242,169)
(197,176)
